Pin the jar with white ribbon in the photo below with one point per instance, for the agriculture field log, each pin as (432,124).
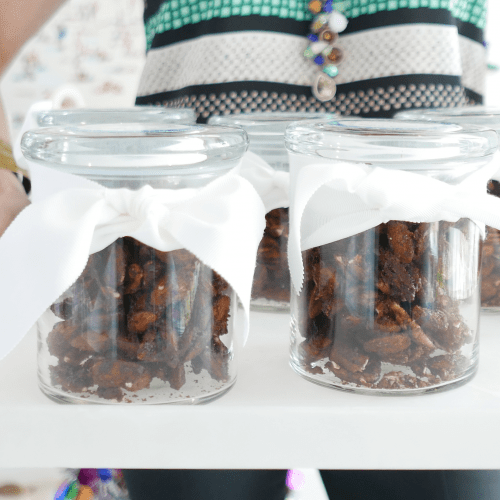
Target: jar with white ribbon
(488,117)
(265,165)
(138,240)
(386,222)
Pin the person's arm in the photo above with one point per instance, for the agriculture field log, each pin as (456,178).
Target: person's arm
(12,198)
(19,21)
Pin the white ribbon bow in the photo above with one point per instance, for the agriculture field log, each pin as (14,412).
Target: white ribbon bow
(334,200)
(46,248)
(272,185)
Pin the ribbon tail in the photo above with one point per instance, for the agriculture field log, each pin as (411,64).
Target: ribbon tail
(271,185)
(39,261)
(231,250)
(484,208)
(303,188)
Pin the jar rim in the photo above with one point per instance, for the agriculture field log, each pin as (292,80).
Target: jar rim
(487,116)
(135,148)
(267,123)
(385,142)
(83,116)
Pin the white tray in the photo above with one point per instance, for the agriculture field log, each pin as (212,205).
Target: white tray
(272,418)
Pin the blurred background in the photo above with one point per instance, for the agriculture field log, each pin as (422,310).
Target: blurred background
(98,48)
(95,46)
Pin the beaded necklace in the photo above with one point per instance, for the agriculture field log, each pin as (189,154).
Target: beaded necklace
(327,23)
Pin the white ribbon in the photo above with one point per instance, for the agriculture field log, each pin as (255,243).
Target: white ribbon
(46,248)
(332,200)
(272,185)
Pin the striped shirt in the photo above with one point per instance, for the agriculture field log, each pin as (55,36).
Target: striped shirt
(230,56)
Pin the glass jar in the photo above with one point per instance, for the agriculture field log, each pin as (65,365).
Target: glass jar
(393,308)
(139,325)
(39,117)
(266,131)
(488,117)
(137,114)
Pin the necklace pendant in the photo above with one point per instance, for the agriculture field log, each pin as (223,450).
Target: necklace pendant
(324,88)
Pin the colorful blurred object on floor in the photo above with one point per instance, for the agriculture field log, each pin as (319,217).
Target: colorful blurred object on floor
(92,484)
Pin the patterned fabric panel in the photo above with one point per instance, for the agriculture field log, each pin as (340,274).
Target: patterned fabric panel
(381,97)
(275,57)
(164,16)
(229,56)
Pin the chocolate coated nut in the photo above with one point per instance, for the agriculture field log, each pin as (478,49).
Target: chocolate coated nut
(398,279)
(401,241)
(323,292)
(270,249)
(420,337)
(135,275)
(349,358)
(490,286)
(388,345)
(488,249)
(221,309)
(72,378)
(316,347)
(125,374)
(446,366)
(92,341)
(140,321)
(272,278)
(490,293)
(59,338)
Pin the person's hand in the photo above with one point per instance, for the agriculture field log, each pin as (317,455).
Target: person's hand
(12,199)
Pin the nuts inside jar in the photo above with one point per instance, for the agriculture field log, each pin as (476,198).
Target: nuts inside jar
(136,314)
(272,278)
(490,287)
(380,310)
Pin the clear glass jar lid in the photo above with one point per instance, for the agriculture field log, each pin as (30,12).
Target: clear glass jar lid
(266,123)
(486,116)
(135,149)
(388,142)
(137,114)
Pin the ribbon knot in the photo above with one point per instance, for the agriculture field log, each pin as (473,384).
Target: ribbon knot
(137,204)
(272,185)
